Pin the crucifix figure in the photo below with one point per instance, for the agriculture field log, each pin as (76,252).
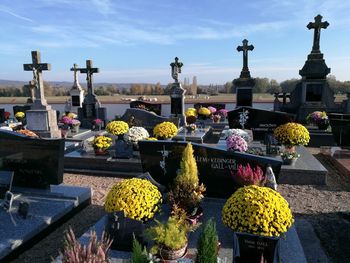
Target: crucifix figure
(245,48)
(317,25)
(76,80)
(37,67)
(89,70)
(176,69)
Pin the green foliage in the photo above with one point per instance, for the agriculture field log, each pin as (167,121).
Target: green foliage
(207,244)
(171,234)
(138,255)
(186,192)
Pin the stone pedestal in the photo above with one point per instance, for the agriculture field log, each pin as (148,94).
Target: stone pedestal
(77,97)
(244,91)
(177,98)
(43,122)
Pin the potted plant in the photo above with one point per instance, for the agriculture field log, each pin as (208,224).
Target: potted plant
(75,124)
(203,113)
(170,238)
(208,244)
(96,124)
(165,130)
(246,175)
(130,204)
(101,144)
(123,149)
(117,128)
(222,113)
(258,216)
(289,158)
(20,116)
(236,143)
(191,128)
(186,192)
(318,118)
(136,134)
(191,112)
(292,134)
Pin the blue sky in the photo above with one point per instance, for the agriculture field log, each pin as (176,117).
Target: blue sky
(136,40)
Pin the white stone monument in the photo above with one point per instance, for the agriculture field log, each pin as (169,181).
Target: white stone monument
(76,93)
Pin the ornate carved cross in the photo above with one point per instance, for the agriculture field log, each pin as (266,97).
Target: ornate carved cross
(176,69)
(89,70)
(317,25)
(37,67)
(245,48)
(76,69)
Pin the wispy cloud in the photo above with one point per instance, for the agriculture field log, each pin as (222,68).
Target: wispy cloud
(7,11)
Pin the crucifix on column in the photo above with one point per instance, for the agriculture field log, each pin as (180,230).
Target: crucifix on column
(317,25)
(245,48)
(176,69)
(37,67)
(89,70)
(76,80)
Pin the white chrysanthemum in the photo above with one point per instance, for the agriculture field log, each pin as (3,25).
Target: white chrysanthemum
(135,134)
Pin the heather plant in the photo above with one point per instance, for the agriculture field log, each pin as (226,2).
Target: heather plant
(208,244)
(95,252)
(246,175)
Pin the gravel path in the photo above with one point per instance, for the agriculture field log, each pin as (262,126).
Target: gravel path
(325,207)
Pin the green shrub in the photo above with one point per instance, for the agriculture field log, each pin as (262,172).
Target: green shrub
(207,244)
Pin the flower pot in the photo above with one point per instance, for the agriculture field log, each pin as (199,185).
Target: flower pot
(323,125)
(254,248)
(122,230)
(75,129)
(289,161)
(100,152)
(96,127)
(167,254)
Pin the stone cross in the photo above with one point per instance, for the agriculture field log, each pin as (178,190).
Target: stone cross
(176,69)
(89,70)
(37,67)
(245,48)
(76,80)
(317,25)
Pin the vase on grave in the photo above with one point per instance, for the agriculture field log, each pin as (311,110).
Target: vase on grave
(100,151)
(289,155)
(323,125)
(75,129)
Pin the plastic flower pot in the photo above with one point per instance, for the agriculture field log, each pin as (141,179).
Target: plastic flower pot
(323,125)
(100,151)
(289,161)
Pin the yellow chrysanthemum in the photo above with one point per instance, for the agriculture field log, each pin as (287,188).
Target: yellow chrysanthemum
(117,127)
(191,112)
(165,130)
(257,210)
(138,198)
(204,111)
(102,142)
(19,115)
(292,134)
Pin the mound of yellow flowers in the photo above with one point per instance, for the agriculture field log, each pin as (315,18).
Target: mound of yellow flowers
(191,112)
(102,142)
(204,111)
(138,198)
(257,210)
(292,134)
(117,127)
(165,130)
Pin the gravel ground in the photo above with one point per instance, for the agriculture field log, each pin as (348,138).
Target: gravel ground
(325,207)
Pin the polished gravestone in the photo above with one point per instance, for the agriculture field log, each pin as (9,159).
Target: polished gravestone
(340,124)
(47,210)
(261,122)
(145,119)
(36,162)
(215,166)
(148,106)
(291,250)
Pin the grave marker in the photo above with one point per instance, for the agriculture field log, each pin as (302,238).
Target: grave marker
(76,92)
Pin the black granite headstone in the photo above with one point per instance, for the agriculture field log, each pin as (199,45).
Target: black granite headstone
(259,121)
(148,106)
(89,111)
(145,119)
(2,115)
(215,166)
(36,163)
(176,106)
(6,178)
(244,97)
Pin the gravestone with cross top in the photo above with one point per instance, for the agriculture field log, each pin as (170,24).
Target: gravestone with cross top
(76,92)
(245,83)
(317,26)
(91,108)
(41,118)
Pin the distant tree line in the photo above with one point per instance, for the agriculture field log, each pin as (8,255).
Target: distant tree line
(263,85)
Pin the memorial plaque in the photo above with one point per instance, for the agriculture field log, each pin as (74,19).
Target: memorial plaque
(148,106)
(145,119)
(75,101)
(6,178)
(259,121)
(244,97)
(314,92)
(36,163)
(216,167)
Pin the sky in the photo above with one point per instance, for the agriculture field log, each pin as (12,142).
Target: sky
(134,41)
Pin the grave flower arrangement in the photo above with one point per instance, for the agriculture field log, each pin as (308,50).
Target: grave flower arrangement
(136,134)
(66,120)
(242,133)
(101,142)
(138,198)
(222,113)
(236,143)
(204,113)
(19,115)
(191,112)
(117,127)
(292,134)
(257,210)
(212,109)
(75,123)
(165,130)
(28,133)
(191,119)
(97,121)
(317,117)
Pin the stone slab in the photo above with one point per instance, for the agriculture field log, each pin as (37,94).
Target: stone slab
(45,208)
(290,249)
(197,136)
